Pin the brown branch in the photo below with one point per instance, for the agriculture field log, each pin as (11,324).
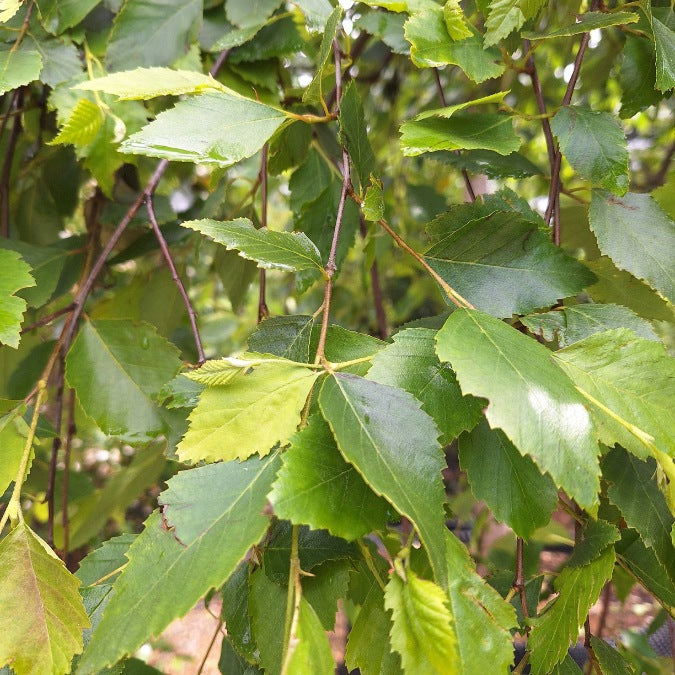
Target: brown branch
(465,174)
(210,647)
(554,191)
(519,580)
(604,611)
(378,301)
(356,51)
(263,311)
(176,277)
(70,433)
(48,319)
(331,265)
(12,110)
(56,446)
(7,167)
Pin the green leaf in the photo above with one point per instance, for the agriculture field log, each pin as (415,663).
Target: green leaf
(268,610)
(315,93)
(42,613)
(288,251)
(450,110)
(15,274)
(18,68)
(491,163)
(597,536)
(508,482)
(610,660)
(455,21)
(571,324)
(595,146)
(373,203)
(664,42)
(386,26)
(286,336)
(145,83)
(317,13)
(506,250)
(631,385)
(462,131)
(82,125)
(638,76)
(102,562)
(422,625)
(411,364)
(213,128)
(328,584)
(392,443)
(13,432)
(248,13)
(309,650)
(117,368)
(169,571)
(154,34)
(317,487)
(59,15)
(368,645)
(432,47)
(46,264)
(530,398)
(353,133)
(235,611)
(8,8)
(482,619)
(558,626)
(584,24)
(643,506)
(503,18)
(637,235)
(227,420)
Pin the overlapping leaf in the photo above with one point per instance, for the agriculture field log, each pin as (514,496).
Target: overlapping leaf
(393,444)
(42,614)
(584,24)
(290,251)
(503,250)
(213,128)
(258,406)
(410,363)
(530,398)
(213,514)
(18,68)
(505,16)
(309,650)
(630,383)
(508,482)
(82,125)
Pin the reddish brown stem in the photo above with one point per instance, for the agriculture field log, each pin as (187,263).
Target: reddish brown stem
(48,319)
(176,277)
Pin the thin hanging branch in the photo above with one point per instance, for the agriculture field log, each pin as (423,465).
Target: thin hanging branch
(56,446)
(70,434)
(331,265)
(176,277)
(7,164)
(554,191)
(376,288)
(465,174)
(263,311)
(48,319)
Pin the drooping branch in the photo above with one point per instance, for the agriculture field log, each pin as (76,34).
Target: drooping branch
(176,277)
(554,191)
(7,164)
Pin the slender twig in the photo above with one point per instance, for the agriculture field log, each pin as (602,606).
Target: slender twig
(218,63)
(7,168)
(56,446)
(24,27)
(331,265)
(210,647)
(554,191)
(70,433)
(519,581)
(356,51)
(604,611)
(48,319)
(659,177)
(378,301)
(520,668)
(176,277)
(263,311)
(465,174)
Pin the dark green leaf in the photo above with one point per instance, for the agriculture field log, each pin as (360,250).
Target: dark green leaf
(383,432)
(638,76)
(285,336)
(491,163)
(508,482)
(584,24)
(610,660)
(328,584)
(594,144)
(354,134)
(597,536)
(235,611)
(637,235)
(317,487)
(530,398)
(411,364)
(268,610)
(104,561)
